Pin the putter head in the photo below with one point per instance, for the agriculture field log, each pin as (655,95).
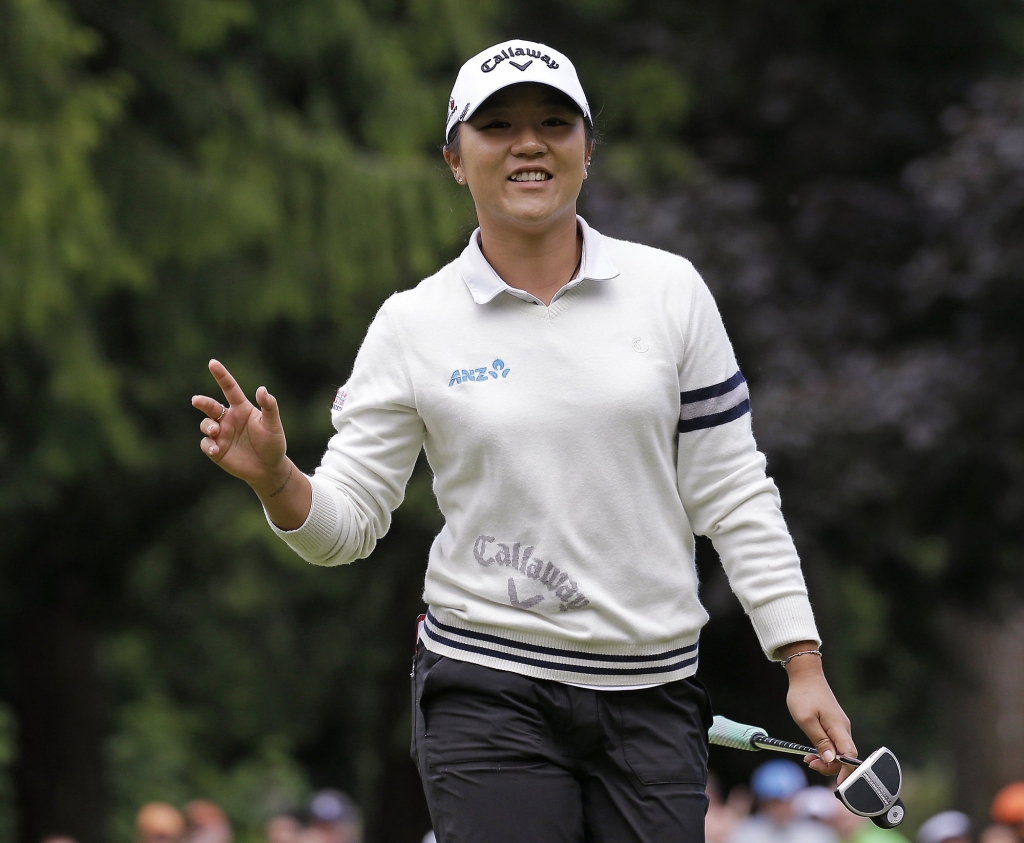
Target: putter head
(873,788)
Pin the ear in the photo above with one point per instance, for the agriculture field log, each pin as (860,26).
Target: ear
(454,162)
(452,159)
(589,151)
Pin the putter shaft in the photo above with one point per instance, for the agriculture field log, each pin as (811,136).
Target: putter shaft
(765,742)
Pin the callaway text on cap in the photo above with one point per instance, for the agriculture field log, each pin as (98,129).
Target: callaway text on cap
(511,63)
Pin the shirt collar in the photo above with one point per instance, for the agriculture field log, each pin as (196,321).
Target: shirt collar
(484,283)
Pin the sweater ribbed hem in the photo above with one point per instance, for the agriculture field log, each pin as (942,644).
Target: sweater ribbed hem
(542,657)
(784,621)
(319,533)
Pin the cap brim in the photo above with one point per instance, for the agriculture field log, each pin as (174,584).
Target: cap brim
(583,107)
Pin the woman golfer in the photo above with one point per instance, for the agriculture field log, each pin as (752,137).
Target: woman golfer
(584,416)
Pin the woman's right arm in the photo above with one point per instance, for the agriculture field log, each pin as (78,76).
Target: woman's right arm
(338,514)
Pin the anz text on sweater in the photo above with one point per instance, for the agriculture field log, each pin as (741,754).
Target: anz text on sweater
(484,373)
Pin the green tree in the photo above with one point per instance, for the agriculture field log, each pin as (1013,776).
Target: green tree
(867,275)
(181,180)
(250,178)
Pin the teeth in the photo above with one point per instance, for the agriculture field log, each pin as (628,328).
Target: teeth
(534,175)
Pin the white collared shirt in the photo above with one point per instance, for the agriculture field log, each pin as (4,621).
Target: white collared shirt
(576,449)
(484,283)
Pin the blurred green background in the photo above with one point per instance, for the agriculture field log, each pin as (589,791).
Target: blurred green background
(250,179)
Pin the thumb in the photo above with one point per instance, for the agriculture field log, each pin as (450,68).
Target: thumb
(271,412)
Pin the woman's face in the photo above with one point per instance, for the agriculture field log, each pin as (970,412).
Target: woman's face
(524,155)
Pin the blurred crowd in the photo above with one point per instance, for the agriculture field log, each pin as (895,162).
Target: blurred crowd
(329,817)
(777,807)
(780,807)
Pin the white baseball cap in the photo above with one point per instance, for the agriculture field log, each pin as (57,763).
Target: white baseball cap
(511,63)
(944,826)
(815,803)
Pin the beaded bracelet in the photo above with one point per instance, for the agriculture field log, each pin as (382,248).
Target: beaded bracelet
(815,652)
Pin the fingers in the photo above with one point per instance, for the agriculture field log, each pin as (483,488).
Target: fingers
(839,733)
(830,734)
(271,410)
(229,386)
(819,766)
(211,406)
(210,428)
(221,427)
(816,710)
(819,739)
(825,761)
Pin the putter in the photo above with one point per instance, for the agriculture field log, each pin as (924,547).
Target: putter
(872,790)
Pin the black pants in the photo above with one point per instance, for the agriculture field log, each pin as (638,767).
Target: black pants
(508,759)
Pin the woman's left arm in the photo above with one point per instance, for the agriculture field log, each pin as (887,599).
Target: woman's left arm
(816,710)
(729,497)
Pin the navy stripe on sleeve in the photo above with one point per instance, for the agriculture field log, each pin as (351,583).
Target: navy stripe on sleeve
(715,419)
(712,391)
(714,405)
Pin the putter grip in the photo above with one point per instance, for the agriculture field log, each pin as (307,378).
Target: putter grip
(726,732)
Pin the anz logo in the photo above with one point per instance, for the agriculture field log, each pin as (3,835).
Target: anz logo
(483,374)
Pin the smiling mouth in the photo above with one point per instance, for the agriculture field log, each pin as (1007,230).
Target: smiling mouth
(531,175)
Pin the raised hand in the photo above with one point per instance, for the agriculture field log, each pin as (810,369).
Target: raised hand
(248,442)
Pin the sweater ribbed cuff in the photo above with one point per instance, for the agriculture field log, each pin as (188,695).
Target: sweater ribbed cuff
(784,621)
(319,533)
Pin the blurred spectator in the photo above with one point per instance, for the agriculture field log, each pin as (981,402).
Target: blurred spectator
(853,828)
(282,828)
(741,800)
(717,827)
(312,834)
(820,803)
(58,838)
(816,803)
(207,823)
(159,822)
(429,837)
(333,818)
(946,827)
(724,815)
(774,785)
(997,833)
(1008,808)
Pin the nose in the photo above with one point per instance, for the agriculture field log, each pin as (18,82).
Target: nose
(528,144)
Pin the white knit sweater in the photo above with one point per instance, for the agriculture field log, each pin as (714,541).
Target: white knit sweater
(576,449)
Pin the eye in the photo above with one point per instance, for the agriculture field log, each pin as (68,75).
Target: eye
(496,124)
(556,121)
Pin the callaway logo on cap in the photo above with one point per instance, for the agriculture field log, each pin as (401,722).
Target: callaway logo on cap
(511,63)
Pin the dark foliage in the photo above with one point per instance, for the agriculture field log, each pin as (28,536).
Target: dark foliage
(251,179)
